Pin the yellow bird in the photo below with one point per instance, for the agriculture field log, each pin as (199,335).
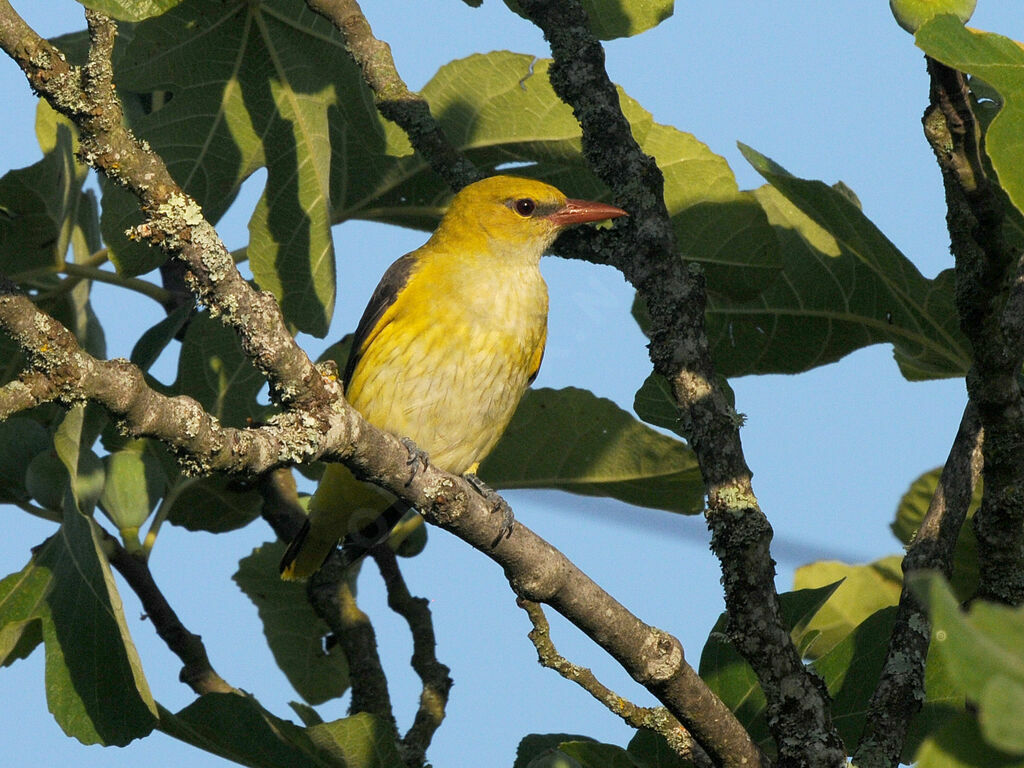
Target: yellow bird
(451,338)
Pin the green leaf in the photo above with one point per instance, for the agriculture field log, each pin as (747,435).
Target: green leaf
(910,514)
(981,649)
(294,632)
(500,108)
(130,10)
(95,687)
(71,442)
(237,728)
(851,669)
(38,209)
(571,440)
(650,750)
(610,19)
(1000,62)
(135,482)
(361,741)
(213,370)
(590,754)
(959,744)
(154,341)
(21,439)
(22,607)
(845,286)
(865,590)
(536,745)
(270,86)
(214,504)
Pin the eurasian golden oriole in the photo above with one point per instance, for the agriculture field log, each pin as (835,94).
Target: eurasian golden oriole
(451,338)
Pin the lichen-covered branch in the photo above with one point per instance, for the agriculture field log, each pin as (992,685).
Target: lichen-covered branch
(60,370)
(434,676)
(174,221)
(900,690)
(798,704)
(657,719)
(392,96)
(985,271)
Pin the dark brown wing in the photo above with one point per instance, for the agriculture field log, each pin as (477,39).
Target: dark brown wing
(393,281)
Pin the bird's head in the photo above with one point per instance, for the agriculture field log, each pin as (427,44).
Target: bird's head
(508,213)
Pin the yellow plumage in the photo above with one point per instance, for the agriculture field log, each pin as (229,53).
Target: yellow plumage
(450,340)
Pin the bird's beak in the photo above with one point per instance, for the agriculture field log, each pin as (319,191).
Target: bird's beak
(581,211)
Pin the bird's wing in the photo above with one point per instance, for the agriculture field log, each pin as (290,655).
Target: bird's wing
(384,295)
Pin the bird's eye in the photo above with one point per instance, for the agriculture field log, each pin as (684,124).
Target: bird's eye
(524,206)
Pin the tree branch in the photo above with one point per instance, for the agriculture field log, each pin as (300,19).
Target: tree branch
(433,674)
(175,221)
(657,719)
(900,690)
(675,294)
(985,265)
(394,100)
(197,672)
(330,593)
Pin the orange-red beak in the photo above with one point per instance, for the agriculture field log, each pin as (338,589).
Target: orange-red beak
(581,211)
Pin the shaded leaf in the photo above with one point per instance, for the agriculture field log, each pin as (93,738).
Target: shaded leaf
(591,754)
(294,632)
(237,728)
(361,740)
(95,687)
(1000,62)
(844,286)
(910,514)
(981,650)
(154,340)
(959,744)
(214,504)
(865,590)
(21,438)
(213,369)
(130,10)
(851,668)
(650,750)
(535,745)
(571,440)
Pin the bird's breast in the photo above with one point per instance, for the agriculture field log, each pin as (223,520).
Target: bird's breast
(454,358)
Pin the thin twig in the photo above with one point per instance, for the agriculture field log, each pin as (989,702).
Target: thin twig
(198,673)
(657,719)
(433,675)
(900,690)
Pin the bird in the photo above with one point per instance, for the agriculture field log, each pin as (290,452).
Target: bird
(449,341)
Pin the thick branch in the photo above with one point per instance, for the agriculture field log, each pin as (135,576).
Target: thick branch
(392,96)
(798,704)
(196,672)
(985,265)
(432,673)
(62,370)
(900,690)
(657,719)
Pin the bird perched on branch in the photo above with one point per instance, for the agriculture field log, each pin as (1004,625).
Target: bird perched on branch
(450,340)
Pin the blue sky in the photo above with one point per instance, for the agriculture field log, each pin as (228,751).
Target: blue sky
(830,91)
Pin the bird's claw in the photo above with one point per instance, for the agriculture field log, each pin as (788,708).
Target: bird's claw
(498,504)
(416,456)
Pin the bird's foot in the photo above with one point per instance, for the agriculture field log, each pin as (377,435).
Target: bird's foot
(498,504)
(416,456)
